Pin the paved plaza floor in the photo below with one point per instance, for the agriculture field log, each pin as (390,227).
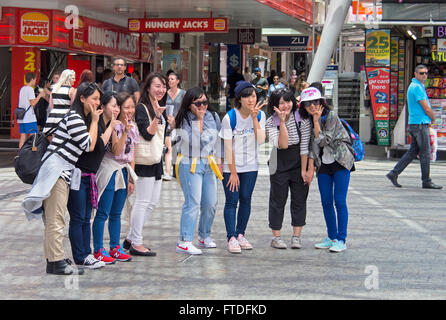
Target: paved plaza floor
(396,248)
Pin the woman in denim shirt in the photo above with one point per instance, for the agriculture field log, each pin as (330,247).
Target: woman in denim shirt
(196,136)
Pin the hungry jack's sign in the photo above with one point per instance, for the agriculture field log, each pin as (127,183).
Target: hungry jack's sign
(177,25)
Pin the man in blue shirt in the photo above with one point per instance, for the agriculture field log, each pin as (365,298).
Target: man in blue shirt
(420,116)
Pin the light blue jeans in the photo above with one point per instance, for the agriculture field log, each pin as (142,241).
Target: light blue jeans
(200,193)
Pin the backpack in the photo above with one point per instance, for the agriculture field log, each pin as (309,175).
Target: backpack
(233,118)
(357,144)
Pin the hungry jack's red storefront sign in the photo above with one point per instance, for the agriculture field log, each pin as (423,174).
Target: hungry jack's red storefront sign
(177,25)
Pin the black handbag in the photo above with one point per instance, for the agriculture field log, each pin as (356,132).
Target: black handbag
(19,112)
(27,163)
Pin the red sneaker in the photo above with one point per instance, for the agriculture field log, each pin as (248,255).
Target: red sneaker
(119,254)
(103,255)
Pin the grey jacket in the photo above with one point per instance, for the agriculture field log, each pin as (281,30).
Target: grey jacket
(333,138)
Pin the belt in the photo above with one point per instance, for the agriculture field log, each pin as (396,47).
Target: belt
(212,164)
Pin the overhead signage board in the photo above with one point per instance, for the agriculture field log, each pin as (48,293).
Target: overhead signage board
(178,25)
(295,42)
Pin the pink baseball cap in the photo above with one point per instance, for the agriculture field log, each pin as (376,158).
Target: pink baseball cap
(310,94)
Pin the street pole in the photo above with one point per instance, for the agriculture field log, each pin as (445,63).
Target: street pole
(334,22)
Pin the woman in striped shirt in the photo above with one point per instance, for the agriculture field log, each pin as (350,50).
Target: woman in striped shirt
(58,173)
(288,165)
(62,95)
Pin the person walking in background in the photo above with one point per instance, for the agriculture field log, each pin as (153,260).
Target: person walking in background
(282,79)
(58,174)
(242,129)
(120,82)
(81,202)
(174,97)
(420,117)
(333,167)
(62,94)
(247,76)
(289,165)
(233,78)
(86,76)
(151,122)
(115,180)
(260,84)
(276,85)
(196,130)
(27,101)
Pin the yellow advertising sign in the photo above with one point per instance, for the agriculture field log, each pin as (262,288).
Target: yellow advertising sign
(377,48)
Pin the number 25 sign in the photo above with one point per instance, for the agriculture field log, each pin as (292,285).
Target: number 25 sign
(377,48)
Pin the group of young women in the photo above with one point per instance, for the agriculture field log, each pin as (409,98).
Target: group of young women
(106,146)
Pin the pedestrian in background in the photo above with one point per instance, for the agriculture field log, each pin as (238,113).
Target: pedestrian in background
(62,94)
(333,166)
(174,97)
(27,101)
(151,121)
(276,85)
(242,129)
(420,117)
(288,165)
(115,180)
(196,130)
(261,85)
(58,174)
(120,82)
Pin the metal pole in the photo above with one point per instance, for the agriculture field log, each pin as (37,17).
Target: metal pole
(337,12)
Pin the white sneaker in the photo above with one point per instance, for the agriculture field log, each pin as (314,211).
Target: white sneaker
(167,177)
(207,242)
(90,262)
(187,247)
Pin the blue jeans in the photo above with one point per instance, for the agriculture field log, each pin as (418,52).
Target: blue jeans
(236,223)
(79,206)
(200,194)
(110,207)
(420,144)
(333,188)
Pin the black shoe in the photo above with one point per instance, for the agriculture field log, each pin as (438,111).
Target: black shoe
(135,252)
(393,179)
(62,267)
(431,185)
(126,244)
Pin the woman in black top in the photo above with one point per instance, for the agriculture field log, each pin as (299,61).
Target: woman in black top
(82,201)
(151,120)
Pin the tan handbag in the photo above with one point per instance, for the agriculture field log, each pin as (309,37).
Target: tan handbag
(150,152)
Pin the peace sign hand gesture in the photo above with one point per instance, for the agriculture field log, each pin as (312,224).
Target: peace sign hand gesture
(280,114)
(255,111)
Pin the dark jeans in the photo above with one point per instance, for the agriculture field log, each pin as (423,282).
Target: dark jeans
(236,223)
(79,207)
(419,145)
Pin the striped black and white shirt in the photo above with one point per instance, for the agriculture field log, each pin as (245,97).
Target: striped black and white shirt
(272,131)
(70,140)
(61,105)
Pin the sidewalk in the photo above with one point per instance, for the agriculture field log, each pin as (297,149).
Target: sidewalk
(396,249)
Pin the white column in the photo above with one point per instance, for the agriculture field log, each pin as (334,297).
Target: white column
(337,11)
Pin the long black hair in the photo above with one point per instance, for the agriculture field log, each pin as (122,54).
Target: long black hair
(274,99)
(84,90)
(145,96)
(190,96)
(105,99)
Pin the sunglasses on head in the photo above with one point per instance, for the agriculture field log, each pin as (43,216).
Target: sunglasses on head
(201,103)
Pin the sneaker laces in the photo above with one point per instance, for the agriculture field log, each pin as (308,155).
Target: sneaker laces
(104,252)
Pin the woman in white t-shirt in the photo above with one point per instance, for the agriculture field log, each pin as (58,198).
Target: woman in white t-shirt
(242,129)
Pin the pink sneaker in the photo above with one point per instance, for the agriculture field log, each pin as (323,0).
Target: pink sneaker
(234,246)
(244,244)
